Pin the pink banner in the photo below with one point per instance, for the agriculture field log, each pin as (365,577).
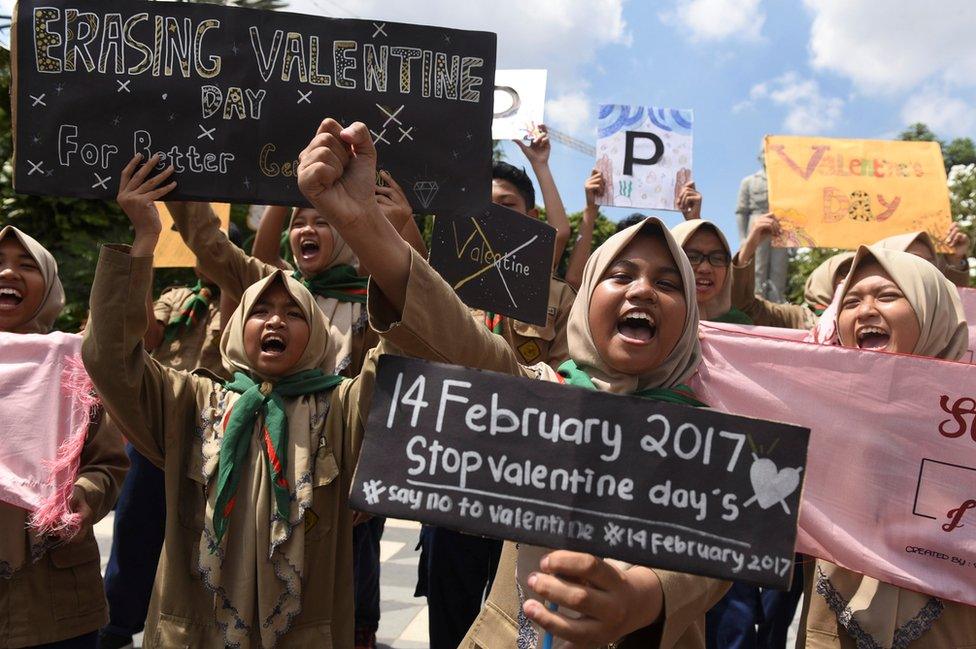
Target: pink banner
(890,489)
(968,297)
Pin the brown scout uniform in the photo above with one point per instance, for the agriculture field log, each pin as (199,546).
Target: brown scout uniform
(61,595)
(233,270)
(535,344)
(163,410)
(763,312)
(686,597)
(195,346)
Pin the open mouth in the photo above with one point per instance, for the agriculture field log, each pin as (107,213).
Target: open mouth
(637,327)
(873,338)
(273,344)
(704,285)
(308,248)
(10,298)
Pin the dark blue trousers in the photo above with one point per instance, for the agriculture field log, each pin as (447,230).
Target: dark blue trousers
(366,572)
(749,617)
(455,574)
(140,525)
(87,641)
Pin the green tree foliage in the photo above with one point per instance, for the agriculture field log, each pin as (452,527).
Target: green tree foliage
(960,151)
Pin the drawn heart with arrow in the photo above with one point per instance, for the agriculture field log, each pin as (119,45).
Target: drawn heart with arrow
(770,485)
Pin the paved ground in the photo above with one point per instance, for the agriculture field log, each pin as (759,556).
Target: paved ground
(403,624)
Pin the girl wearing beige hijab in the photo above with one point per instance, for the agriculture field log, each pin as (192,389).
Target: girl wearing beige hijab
(954,266)
(632,330)
(897,302)
(711,258)
(258,542)
(50,586)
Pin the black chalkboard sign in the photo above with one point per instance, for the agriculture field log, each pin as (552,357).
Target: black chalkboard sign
(651,483)
(231,96)
(497,260)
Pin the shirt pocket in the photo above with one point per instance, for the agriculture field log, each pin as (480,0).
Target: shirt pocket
(324,511)
(76,580)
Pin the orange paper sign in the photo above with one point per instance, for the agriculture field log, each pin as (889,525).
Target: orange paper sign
(171,252)
(844,193)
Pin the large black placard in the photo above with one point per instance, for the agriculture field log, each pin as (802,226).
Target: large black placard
(647,482)
(497,260)
(231,96)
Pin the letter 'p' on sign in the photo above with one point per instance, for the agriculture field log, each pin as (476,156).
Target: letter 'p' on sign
(645,155)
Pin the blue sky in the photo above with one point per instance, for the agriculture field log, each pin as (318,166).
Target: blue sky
(845,68)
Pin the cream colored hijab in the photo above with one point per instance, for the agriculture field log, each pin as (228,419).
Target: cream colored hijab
(683,359)
(257,571)
(722,303)
(819,289)
(43,319)
(346,319)
(876,613)
(901,242)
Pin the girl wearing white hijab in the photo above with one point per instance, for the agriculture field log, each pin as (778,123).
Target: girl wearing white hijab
(897,302)
(633,330)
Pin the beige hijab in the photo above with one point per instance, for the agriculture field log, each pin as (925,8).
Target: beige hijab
(722,303)
(819,289)
(43,319)
(678,366)
(346,319)
(256,572)
(901,242)
(873,612)
(683,359)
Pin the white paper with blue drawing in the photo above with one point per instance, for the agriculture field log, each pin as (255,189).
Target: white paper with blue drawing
(644,153)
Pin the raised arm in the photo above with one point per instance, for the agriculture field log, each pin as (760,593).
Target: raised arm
(593,187)
(955,264)
(267,240)
(538,156)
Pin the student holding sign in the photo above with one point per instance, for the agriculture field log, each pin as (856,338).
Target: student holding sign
(896,302)
(955,265)
(50,577)
(640,336)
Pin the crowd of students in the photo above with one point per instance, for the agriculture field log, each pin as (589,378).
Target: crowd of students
(242,401)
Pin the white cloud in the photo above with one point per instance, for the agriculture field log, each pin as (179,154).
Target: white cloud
(572,112)
(716,20)
(808,111)
(946,115)
(896,44)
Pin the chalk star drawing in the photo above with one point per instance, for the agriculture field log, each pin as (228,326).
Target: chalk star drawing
(39,100)
(172,116)
(496,264)
(35,166)
(455,154)
(58,88)
(165,95)
(447,39)
(36,139)
(115,122)
(206,132)
(372,491)
(771,485)
(380,29)
(468,136)
(405,134)
(425,190)
(391,116)
(123,85)
(613,534)
(234,49)
(49,173)
(247,182)
(101,182)
(304,97)
(378,137)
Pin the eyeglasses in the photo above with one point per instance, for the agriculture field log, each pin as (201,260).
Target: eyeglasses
(716,259)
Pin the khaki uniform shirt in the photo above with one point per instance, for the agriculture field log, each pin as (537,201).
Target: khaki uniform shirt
(194,346)
(162,410)
(686,597)
(763,312)
(61,595)
(535,344)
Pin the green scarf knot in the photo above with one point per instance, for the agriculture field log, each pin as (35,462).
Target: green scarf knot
(193,310)
(682,394)
(264,399)
(339,282)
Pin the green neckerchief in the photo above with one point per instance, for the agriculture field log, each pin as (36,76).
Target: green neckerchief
(339,282)
(194,309)
(733,316)
(680,394)
(494,322)
(259,399)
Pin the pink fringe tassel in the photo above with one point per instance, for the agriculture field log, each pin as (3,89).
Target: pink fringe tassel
(54,515)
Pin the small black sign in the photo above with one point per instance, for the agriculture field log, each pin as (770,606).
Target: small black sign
(231,96)
(497,260)
(651,483)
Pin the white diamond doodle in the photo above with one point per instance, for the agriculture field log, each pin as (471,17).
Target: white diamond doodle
(425,191)
(770,485)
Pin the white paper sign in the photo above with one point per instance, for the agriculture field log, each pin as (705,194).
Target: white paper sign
(520,102)
(644,153)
